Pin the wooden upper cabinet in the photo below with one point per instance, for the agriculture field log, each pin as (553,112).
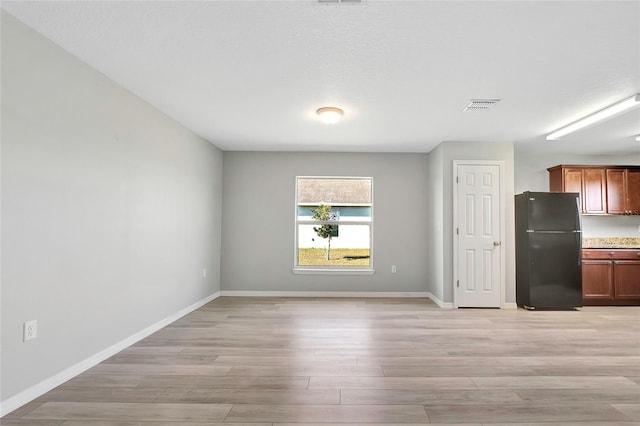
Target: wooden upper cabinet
(633,190)
(623,191)
(594,191)
(603,189)
(616,191)
(590,183)
(567,179)
(573,181)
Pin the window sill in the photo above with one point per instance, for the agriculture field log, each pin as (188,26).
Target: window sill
(319,271)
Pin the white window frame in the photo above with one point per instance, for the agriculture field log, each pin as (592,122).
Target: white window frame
(332,270)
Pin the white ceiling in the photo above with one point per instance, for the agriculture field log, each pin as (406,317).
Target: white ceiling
(249,75)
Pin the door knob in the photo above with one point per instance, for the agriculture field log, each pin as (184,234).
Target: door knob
(497,243)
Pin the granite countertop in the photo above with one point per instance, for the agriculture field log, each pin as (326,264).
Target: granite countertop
(612,242)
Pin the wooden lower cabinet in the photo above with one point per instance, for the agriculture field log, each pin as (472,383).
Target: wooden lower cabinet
(627,279)
(597,280)
(610,277)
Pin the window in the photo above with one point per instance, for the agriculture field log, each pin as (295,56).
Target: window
(334,225)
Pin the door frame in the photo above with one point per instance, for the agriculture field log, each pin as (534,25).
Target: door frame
(501,210)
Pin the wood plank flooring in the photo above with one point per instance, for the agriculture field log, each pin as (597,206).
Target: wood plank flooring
(295,361)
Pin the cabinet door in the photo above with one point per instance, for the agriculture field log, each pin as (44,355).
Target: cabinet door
(594,192)
(633,191)
(573,183)
(597,279)
(626,275)
(617,191)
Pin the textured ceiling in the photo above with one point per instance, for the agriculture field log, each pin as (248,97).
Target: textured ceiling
(249,75)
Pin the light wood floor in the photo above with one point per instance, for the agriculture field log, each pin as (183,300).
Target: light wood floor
(277,361)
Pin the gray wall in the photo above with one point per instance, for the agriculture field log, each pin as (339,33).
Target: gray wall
(470,151)
(532,175)
(259,212)
(110,211)
(435,225)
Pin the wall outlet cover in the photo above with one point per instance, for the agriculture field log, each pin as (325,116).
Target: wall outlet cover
(30,330)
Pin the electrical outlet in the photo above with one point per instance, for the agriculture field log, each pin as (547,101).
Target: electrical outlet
(394,269)
(204,272)
(30,330)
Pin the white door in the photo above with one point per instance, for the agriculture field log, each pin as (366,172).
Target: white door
(478,227)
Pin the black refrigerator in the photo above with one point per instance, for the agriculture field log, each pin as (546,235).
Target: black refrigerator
(548,244)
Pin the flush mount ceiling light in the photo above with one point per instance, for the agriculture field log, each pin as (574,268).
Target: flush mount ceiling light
(638,138)
(330,115)
(596,117)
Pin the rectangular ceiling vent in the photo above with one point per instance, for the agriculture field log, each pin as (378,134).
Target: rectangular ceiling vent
(480,104)
(340,1)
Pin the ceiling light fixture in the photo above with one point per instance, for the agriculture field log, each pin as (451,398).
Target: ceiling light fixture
(638,138)
(330,115)
(596,117)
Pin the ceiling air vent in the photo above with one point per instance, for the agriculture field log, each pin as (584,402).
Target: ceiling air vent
(340,1)
(480,104)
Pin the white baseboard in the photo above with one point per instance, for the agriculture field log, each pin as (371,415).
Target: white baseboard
(416,294)
(440,303)
(510,306)
(46,385)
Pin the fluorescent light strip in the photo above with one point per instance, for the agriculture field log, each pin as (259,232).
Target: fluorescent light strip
(601,115)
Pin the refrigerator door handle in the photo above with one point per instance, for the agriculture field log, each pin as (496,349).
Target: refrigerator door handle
(578,216)
(579,240)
